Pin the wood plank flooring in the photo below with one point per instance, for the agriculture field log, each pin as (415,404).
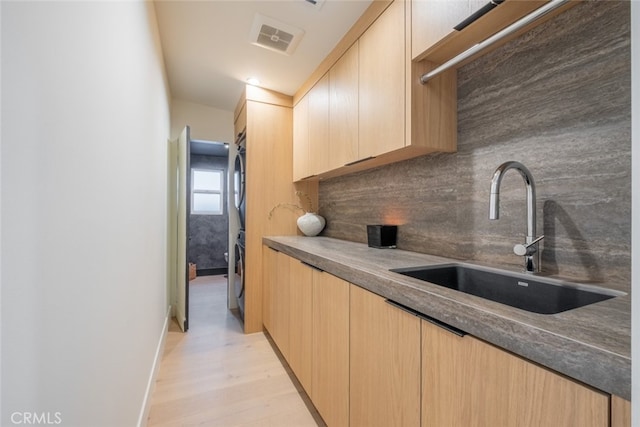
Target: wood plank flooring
(215,375)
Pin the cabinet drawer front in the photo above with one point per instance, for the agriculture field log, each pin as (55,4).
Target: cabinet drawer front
(385,363)
(467,382)
(330,377)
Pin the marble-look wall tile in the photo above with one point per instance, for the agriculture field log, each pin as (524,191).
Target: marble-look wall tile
(209,238)
(556,99)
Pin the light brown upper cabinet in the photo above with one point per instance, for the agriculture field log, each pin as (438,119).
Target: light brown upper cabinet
(467,382)
(319,126)
(343,109)
(378,112)
(311,132)
(382,84)
(434,38)
(433,21)
(398,118)
(301,158)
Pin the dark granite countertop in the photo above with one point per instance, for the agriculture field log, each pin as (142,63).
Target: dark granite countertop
(591,344)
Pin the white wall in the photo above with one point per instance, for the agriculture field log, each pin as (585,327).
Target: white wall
(85,112)
(206,123)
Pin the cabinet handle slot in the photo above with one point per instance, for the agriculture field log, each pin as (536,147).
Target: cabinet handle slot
(402,307)
(429,319)
(446,327)
(360,161)
(478,14)
(273,249)
(312,266)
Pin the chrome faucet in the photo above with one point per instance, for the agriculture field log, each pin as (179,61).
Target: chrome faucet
(530,246)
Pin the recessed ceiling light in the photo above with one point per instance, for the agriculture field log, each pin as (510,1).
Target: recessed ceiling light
(253,81)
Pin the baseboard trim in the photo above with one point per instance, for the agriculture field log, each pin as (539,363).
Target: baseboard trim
(144,411)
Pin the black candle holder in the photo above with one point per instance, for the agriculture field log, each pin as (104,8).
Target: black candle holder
(382,236)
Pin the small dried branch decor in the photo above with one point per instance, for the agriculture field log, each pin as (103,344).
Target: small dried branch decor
(302,196)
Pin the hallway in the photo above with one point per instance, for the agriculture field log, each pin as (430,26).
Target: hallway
(214,375)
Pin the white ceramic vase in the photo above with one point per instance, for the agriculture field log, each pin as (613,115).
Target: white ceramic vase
(311,224)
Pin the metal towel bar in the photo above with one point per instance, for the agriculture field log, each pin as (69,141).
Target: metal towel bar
(536,14)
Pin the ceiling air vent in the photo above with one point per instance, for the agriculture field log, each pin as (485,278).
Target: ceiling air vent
(275,35)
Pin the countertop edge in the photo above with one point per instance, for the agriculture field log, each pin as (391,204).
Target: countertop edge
(578,360)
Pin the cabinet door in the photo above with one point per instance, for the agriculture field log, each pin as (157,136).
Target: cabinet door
(343,109)
(301,167)
(620,412)
(330,380)
(300,322)
(433,20)
(268,182)
(241,120)
(269,276)
(382,83)
(280,291)
(385,363)
(319,126)
(467,382)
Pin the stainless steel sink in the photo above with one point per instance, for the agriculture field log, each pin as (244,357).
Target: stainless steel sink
(527,292)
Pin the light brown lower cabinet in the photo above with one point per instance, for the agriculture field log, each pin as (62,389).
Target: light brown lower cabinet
(330,380)
(467,382)
(280,304)
(620,412)
(366,363)
(269,275)
(307,315)
(300,322)
(384,363)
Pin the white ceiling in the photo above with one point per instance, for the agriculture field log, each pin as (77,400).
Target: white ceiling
(208,55)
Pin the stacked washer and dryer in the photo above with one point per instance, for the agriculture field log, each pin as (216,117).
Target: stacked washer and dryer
(239,180)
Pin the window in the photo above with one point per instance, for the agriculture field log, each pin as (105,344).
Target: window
(207,192)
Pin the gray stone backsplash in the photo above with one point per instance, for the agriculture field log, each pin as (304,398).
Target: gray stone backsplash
(557,99)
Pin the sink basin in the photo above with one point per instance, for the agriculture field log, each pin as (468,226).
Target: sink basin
(527,292)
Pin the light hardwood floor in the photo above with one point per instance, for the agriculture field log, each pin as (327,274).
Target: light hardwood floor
(214,375)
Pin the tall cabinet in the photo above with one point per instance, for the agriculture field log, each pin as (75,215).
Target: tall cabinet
(267,117)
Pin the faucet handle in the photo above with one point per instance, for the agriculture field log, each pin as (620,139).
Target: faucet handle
(526,249)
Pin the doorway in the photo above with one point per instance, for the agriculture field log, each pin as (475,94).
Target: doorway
(199,191)
(209,216)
